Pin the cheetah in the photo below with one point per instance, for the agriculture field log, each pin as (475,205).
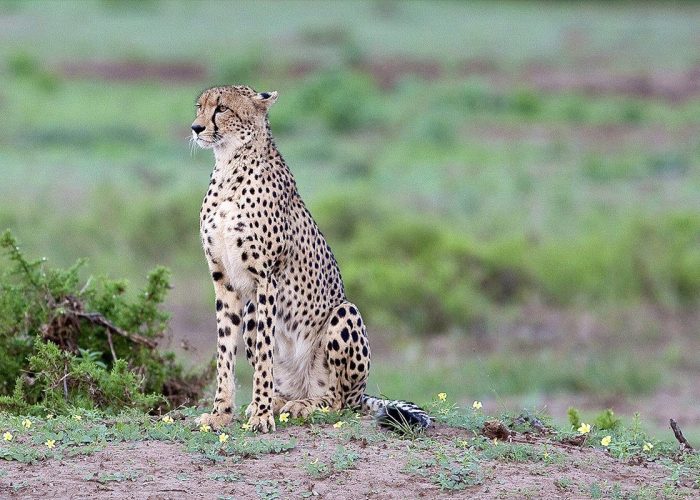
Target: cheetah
(276,281)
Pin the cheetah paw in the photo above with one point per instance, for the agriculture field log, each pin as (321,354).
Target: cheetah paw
(262,423)
(278,403)
(215,421)
(252,409)
(298,409)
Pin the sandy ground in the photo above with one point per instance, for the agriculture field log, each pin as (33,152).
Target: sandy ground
(165,470)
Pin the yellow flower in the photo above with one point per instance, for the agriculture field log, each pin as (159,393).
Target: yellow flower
(463,443)
(606,441)
(647,446)
(49,416)
(167,419)
(442,396)
(477,405)
(584,428)
(77,417)
(50,443)
(223,438)
(7,436)
(284,417)
(325,409)
(26,423)
(204,428)
(545,455)
(245,426)
(338,424)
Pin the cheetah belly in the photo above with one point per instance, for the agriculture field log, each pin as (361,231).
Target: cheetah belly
(298,363)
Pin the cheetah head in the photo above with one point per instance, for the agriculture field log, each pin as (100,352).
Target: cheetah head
(230,117)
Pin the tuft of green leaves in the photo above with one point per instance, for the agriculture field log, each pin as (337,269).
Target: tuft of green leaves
(574,417)
(91,345)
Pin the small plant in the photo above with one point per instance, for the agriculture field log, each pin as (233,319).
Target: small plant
(344,458)
(231,477)
(267,489)
(606,420)
(118,477)
(317,468)
(574,417)
(562,483)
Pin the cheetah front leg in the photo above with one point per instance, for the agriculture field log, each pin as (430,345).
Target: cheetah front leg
(228,324)
(260,410)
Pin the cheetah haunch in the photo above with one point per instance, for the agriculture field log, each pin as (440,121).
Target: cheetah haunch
(277,283)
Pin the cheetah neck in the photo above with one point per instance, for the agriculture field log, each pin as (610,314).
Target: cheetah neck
(235,166)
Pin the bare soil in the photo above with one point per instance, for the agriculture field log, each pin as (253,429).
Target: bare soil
(163,470)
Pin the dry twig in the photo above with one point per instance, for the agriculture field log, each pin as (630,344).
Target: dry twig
(98,319)
(685,445)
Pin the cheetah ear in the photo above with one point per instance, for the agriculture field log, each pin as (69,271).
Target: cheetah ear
(267,99)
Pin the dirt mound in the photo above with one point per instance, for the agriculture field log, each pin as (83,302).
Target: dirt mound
(182,72)
(340,463)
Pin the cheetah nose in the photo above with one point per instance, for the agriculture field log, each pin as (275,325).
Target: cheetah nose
(197,128)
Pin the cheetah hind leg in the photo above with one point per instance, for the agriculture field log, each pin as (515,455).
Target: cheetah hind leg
(342,368)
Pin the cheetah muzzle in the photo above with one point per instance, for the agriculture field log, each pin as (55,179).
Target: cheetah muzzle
(277,284)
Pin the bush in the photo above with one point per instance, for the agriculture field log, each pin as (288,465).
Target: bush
(414,273)
(68,344)
(345,100)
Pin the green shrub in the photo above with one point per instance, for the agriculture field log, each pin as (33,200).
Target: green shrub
(66,344)
(574,417)
(345,100)
(606,420)
(415,273)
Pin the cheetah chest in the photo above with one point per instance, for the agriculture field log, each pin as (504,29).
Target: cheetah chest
(223,237)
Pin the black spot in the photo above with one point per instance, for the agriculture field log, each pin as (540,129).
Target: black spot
(341,312)
(335,345)
(353,311)
(334,321)
(251,325)
(219,305)
(216,275)
(345,334)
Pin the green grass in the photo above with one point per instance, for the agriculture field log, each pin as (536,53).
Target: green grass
(450,203)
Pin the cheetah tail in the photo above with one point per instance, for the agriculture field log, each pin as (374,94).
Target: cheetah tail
(395,414)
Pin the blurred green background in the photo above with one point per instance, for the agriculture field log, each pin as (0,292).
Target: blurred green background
(512,189)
